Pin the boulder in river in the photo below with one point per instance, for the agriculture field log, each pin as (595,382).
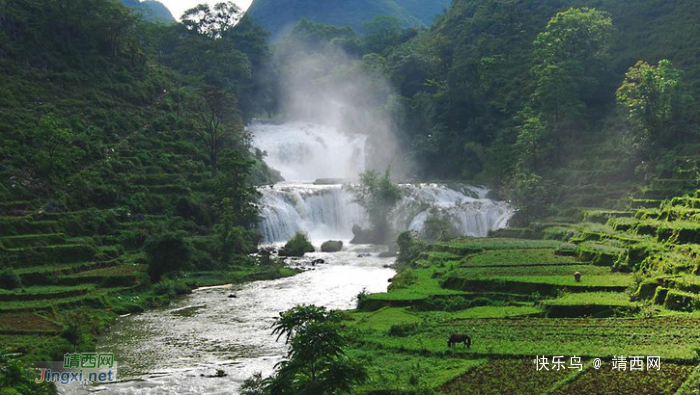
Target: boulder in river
(332,246)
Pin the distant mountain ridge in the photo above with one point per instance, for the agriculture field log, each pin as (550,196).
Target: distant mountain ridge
(278,16)
(151,10)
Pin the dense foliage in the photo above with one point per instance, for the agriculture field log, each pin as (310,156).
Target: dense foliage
(298,245)
(94,98)
(316,362)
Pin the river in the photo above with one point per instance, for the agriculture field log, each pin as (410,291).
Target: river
(167,350)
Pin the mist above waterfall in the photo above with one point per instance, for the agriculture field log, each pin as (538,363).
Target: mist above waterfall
(324,85)
(307,152)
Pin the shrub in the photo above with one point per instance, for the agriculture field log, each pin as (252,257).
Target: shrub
(683,301)
(403,330)
(297,246)
(332,246)
(171,288)
(409,247)
(9,279)
(190,210)
(167,253)
(404,279)
(17,378)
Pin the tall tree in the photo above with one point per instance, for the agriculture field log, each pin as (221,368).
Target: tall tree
(570,55)
(219,126)
(653,98)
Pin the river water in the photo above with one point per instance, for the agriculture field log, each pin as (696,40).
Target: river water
(166,351)
(175,350)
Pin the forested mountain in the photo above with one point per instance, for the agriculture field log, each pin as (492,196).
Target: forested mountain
(487,80)
(278,16)
(94,99)
(151,10)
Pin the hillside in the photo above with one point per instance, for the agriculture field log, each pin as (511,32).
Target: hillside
(151,10)
(278,16)
(101,153)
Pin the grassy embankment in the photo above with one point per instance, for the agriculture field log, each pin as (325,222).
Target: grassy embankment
(77,271)
(518,298)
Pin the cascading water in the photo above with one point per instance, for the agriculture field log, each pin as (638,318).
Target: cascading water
(323,211)
(306,152)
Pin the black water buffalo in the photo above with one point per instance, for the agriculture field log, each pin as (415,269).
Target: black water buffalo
(454,339)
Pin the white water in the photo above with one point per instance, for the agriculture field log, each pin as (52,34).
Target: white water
(323,211)
(305,152)
(327,212)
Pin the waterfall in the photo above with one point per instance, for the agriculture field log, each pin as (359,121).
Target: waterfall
(323,211)
(327,212)
(306,152)
(467,209)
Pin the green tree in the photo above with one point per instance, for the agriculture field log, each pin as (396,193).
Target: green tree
(653,98)
(212,22)
(530,193)
(167,252)
(233,239)
(570,56)
(234,183)
(581,35)
(381,32)
(531,141)
(58,154)
(378,196)
(316,364)
(219,126)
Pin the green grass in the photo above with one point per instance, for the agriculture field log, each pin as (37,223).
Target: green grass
(28,322)
(495,312)
(22,241)
(670,337)
(59,268)
(51,254)
(383,319)
(513,257)
(593,304)
(118,270)
(45,289)
(501,278)
(49,303)
(588,298)
(398,372)
(473,245)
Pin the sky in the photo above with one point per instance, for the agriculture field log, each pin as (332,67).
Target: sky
(177,7)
